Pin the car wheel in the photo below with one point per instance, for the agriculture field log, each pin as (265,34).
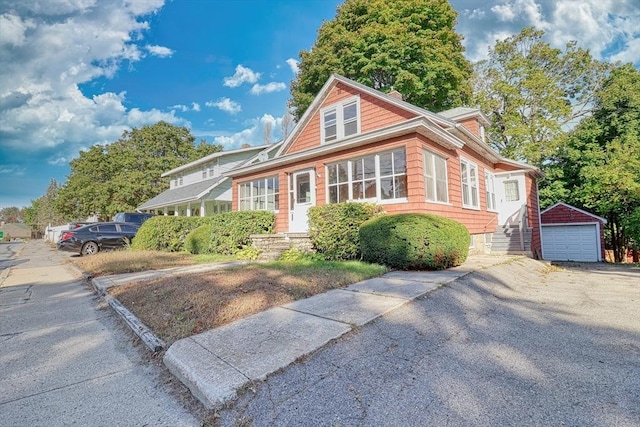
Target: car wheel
(89,248)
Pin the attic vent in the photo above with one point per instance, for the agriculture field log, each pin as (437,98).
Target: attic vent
(395,94)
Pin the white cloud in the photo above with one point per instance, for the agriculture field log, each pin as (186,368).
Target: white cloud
(161,51)
(46,57)
(14,170)
(242,75)
(252,135)
(184,108)
(259,89)
(608,28)
(294,65)
(226,105)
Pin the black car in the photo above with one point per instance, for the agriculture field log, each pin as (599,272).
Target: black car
(135,217)
(92,238)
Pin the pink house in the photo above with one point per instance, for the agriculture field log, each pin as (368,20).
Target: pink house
(355,143)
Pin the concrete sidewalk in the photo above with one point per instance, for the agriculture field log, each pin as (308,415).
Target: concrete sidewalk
(216,363)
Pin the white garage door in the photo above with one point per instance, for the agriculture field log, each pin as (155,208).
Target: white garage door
(570,242)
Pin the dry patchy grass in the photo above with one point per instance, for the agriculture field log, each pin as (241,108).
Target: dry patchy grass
(180,306)
(128,261)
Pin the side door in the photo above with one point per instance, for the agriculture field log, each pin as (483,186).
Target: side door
(302,196)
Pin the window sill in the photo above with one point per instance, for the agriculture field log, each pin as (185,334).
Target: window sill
(472,208)
(434,202)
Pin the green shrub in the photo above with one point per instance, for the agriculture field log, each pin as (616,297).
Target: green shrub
(333,228)
(165,233)
(295,254)
(230,231)
(198,241)
(414,242)
(247,252)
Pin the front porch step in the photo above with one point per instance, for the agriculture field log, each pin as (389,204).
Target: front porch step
(506,240)
(271,246)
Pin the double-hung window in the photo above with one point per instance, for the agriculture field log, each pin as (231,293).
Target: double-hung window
(340,120)
(381,176)
(469,178)
(435,177)
(259,194)
(489,183)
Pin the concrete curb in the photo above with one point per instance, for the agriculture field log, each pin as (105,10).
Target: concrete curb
(215,364)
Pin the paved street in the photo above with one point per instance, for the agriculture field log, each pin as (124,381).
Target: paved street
(65,358)
(516,344)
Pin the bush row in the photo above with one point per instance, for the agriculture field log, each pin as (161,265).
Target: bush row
(342,231)
(224,233)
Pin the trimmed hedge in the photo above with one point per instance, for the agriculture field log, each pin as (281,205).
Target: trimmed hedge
(228,232)
(165,233)
(333,228)
(197,242)
(414,242)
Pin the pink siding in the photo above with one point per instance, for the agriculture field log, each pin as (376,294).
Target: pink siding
(374,114)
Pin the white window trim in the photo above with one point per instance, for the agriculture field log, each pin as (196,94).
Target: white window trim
(251,197)
(477,190)
(488,175)
(435,182)
(378,199)
(339,109)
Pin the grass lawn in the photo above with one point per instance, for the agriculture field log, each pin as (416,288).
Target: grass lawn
(180,306)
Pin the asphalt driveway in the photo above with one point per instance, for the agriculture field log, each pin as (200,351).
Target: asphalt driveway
(516,344)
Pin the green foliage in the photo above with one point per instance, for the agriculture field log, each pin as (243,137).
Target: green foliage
(45,209)
(166,233)
(120,176)
(230,231)
(406,45)
(247,252)
(197,241)
(414,242)
(531,91)
(295,254)
(333,228)
(225,233)
(597,167)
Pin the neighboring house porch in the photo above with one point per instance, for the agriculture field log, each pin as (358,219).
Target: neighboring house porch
(201,188)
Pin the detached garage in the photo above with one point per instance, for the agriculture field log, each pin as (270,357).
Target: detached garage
(571,234)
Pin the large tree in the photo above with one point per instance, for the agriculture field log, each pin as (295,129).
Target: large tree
(406,45)
(534,93)
(597,167)
(10,214)
(118,177)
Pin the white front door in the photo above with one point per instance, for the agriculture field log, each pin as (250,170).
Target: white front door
(511,195)
(302,197)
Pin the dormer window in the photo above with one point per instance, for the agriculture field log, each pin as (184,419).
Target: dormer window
(340,120)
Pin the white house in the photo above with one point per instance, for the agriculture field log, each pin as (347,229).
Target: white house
(201,188)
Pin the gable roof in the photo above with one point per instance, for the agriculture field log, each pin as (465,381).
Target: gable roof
(461,113)
(183,194)
(210,157)
(599,218)
(438,127)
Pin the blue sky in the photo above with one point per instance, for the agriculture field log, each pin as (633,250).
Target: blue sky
(74,73)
